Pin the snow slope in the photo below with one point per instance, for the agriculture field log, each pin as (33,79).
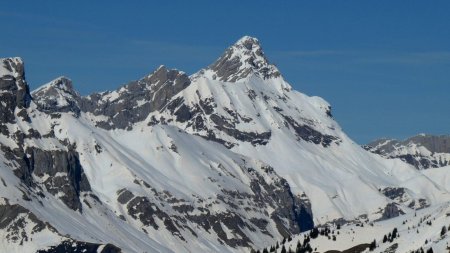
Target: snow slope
(440,176)
(419,230)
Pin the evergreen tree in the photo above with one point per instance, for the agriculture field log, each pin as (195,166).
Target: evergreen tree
(283,249)
(385,239)
(322,232)
(430,250)
(373,245)
(443,231)
(306,240)
(394,233)
(308,248)
(314,233)
(299,244)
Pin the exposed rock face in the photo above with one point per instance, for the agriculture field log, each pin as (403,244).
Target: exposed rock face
(390,211)
(122,108)
(437,144)
(308,134)
(229,128)
(133,102)
(400,195)
(304,214)
(15,218)
(14,89)
(241,60)
(394,192)
(59,172)
(81,247)
(292,214)
(22,226)
(58,96)
(392,248)
(202,119)
(421,151)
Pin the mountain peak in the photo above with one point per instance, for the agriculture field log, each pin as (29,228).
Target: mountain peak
(57,96)
(12,66)
(12,82)
(163,75)
(161,68)
(248,42)
(60,84)
(241,60)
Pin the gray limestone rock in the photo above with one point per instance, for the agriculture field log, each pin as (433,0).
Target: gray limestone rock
(124,196)
(61,172)
(390,211)
(309,134)
(136,100)
(244,58)
(434,152)
(58,96)
(394,192)
(14,89)
(74,246)
(16,220)
(65,174)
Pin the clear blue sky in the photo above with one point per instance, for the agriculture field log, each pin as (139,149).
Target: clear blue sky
(383,65)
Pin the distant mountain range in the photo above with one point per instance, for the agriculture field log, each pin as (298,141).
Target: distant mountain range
(422,151)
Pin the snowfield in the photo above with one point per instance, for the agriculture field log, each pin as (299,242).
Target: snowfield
(421,229)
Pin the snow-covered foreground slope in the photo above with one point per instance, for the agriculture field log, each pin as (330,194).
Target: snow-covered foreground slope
(423,229)
(227,159)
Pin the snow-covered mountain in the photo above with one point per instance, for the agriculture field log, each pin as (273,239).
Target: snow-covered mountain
(224,160)
(422,151)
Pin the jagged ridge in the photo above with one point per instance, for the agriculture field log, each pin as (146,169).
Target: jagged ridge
(422,151)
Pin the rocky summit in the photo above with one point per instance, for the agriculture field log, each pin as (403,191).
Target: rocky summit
(228,159)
